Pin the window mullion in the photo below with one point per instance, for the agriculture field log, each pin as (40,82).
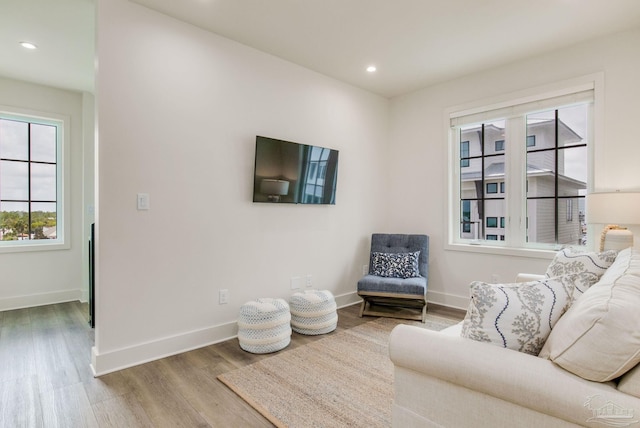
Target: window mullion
(29,198)
(482,194)
(515,179)
(454,186)
(556,178)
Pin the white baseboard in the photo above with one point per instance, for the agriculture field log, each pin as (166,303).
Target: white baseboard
(119,359)
(347,299)
(449,300)
(84,296)
(106,362)
(40,299)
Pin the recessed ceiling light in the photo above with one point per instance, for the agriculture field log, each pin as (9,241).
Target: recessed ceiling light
(28,45)
(371,68)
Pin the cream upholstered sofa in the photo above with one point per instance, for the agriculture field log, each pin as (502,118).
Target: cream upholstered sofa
(584,376)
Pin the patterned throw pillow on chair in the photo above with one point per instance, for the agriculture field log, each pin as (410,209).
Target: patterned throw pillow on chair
(395,265)
(517,316)
(587,266)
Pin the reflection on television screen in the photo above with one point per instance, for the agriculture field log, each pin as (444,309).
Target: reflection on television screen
(287,172)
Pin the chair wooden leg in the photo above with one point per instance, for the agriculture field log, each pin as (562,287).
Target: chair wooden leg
(424,313)
(362,307)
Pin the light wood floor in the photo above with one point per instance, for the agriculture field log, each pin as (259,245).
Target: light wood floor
(45,379)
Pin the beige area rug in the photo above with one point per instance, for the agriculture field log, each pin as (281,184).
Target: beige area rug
(342,380)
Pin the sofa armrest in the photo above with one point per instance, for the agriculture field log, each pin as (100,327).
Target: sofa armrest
(518,378)
(526,277)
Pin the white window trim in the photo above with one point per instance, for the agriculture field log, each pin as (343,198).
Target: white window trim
(63,221)
(452,242)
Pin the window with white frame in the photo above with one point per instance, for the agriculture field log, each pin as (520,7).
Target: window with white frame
(31,206)
(535,151)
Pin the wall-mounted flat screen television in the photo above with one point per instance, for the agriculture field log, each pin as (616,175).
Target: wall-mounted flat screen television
(287,172)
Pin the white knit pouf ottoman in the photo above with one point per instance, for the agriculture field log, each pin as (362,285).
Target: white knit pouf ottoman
(313,312)
(263,326)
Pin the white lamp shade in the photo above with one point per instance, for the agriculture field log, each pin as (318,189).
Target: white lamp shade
(269,186)
(613,208)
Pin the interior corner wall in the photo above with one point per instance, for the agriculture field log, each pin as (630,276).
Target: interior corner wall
(178,111)
(88,184)
(420,144)
(36,278)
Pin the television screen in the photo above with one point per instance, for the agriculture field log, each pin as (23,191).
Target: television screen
(287,172)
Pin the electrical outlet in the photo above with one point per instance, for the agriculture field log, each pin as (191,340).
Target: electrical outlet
(223,297)
(308,281)
(365,269)
(296,282)
(143,201)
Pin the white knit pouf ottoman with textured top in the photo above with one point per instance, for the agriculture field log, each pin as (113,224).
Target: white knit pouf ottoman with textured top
(313,312)
(264,326)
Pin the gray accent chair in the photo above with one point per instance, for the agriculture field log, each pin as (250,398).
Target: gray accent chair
(385,292)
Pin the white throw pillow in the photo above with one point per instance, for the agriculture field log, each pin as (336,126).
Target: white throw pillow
(517,316)
(597,339)
(588,266)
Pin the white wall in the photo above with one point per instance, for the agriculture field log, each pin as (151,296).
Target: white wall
(419,144)
(44,277)
(178,112)
(88,184)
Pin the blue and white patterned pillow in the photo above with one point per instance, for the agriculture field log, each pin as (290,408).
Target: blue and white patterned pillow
(586,267)
(396,265)
(517,316)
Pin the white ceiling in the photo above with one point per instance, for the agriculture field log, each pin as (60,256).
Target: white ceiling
(414,43)
(63,30)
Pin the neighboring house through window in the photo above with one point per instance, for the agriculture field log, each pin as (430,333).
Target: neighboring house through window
(319,179)
(464,154)
(528,162)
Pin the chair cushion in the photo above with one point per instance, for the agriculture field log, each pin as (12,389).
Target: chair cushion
(516,316)
(373,283)
(630,382)
(395,265)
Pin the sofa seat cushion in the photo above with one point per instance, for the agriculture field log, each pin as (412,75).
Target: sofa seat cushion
(455,382)
(630,382)
(599,337)
(453,330)
(517,316)
(378,284)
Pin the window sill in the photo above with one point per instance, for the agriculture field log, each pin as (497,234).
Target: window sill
(535,253)
(29,247)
